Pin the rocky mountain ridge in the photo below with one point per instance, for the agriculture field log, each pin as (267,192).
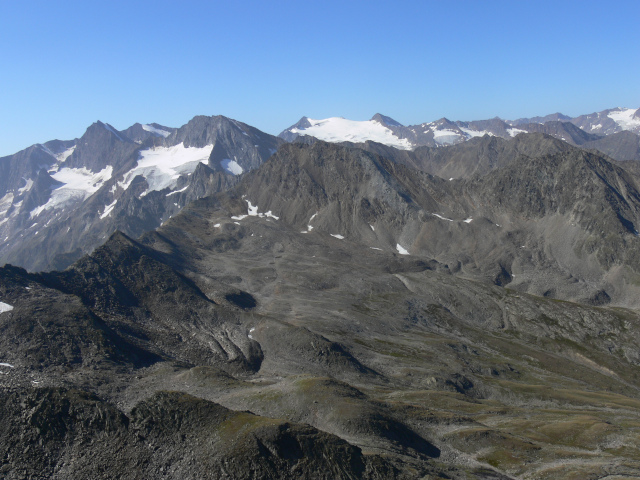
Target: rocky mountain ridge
(347,316)
(383,129)
(62,199)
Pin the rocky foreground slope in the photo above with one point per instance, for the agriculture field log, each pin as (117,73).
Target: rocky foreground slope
(340,315)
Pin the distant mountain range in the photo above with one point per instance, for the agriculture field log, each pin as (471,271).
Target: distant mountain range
(338,312)
(63,198)
(294,308)
(385,130)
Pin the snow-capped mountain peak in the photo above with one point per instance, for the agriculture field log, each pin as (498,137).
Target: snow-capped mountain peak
(338,129)
(626,118)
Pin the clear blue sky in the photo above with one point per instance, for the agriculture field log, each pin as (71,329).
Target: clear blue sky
(66,64)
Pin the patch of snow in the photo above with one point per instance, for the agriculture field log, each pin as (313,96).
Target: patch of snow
(217,225)
(5,307)
(596,127)
(401,250)
(445,136)
(27,187)
(252,209)
(336,129)
(7,200)
(177,191)
(309,226)
(624,118)
(338,236)
(372,227)
(78,185)
(375,248)
(3,221)
(156,131)
(113,188)
(476,133)
(46,150)
(62,156)
(112,130)
(441,217)
(162,166)
(6,365)
(239,217)
(108,209)
(468,220)
(515,131)
(231,166)
(451,179)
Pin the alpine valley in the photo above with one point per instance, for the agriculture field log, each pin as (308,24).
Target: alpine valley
(347,300)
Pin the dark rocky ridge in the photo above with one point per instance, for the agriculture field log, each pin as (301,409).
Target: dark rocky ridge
(356,362)
(520,215)
(478,156)
(70,434)
(621,146)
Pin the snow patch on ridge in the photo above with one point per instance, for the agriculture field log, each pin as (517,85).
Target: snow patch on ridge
(337,129)
(309,226)
(441,217)
(108,209)
(624,118)
(401,249)
(156,131)
(62,156)
(177,191)
(27,187)
(445,136)
(476,133)
(78,185)
(252,211)
(231,166)
(162,166)
(112,130)
(5,307)
(515,131)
